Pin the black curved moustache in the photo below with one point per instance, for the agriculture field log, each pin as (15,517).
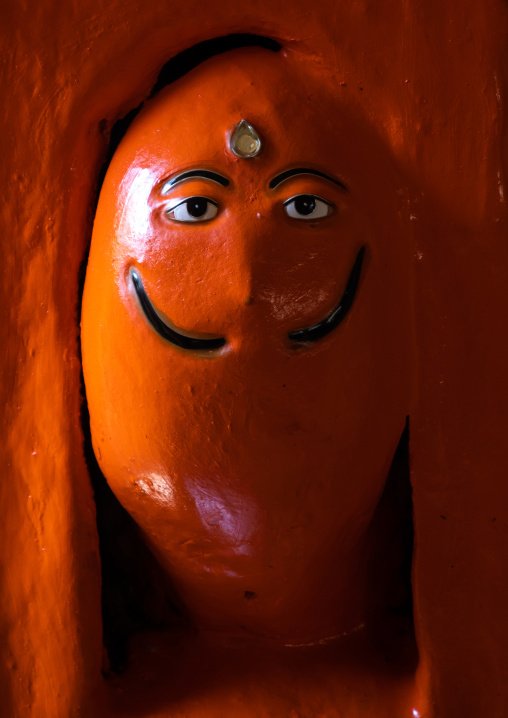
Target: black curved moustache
(336,316)
(171,335)
(305,335)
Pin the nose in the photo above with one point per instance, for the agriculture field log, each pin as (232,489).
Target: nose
(259,284)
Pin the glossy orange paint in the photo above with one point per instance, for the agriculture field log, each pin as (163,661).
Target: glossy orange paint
(253,470)
(430,81)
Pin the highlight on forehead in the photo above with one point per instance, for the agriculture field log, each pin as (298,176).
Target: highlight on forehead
(283,176)
(199,174)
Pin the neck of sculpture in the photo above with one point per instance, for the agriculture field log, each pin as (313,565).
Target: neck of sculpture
(348,593)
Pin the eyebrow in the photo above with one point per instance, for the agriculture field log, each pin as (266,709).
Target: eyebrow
(276,181)
(202,174)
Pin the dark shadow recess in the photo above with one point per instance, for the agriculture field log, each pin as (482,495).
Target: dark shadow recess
(391,571)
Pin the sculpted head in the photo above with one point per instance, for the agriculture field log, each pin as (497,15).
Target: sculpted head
(245,341)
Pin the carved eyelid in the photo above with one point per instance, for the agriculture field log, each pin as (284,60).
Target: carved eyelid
(181,200)
(309,194)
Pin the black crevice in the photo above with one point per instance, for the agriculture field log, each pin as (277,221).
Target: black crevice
(136,596)
(391,570)
(187,60)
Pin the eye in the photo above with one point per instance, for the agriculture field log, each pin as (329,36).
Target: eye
(191,209)
(307,207)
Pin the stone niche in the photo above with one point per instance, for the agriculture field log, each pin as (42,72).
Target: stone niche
(265,477)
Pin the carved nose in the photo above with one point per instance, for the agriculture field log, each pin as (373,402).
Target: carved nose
(309,334)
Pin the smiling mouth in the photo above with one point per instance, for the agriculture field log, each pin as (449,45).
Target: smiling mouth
(181,339)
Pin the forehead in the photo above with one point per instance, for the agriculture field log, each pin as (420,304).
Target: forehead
(291,105)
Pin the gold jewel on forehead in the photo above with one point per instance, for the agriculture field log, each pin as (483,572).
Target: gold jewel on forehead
(244,140)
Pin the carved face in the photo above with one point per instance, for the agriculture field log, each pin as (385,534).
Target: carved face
(245,342)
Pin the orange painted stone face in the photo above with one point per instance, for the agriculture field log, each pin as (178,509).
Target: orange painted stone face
(253,456)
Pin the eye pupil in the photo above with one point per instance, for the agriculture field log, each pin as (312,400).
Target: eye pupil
(305,204)
(197,206)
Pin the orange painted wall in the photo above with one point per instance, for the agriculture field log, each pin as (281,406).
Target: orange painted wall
(432,78)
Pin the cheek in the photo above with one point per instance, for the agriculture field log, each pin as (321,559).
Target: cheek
(197,274)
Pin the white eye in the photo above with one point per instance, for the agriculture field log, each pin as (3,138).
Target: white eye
(307,207)
(192,209)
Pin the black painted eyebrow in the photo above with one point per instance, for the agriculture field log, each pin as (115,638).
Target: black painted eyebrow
(203,174)
(276,181)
